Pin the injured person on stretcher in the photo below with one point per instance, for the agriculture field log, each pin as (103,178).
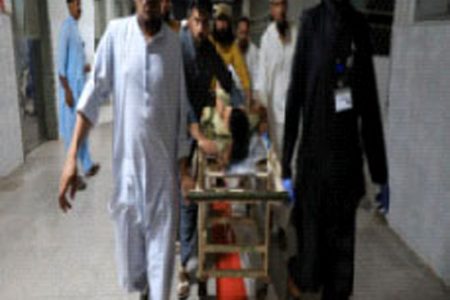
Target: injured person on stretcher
(241,153)
(239,164)
(240,137)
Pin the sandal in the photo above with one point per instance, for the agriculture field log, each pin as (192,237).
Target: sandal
(183,286)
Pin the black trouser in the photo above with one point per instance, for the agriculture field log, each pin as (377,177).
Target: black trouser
(326,241)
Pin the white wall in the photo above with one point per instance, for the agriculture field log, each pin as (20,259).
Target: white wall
(382,71)
(87,28)
(418,137)
(11,147)
(431,8)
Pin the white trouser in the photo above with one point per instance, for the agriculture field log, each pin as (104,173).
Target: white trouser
(146,256)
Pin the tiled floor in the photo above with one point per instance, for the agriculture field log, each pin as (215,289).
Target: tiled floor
(47,255)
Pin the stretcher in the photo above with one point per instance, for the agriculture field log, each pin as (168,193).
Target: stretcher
(234,212)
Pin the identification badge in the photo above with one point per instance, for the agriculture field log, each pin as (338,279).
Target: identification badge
(343,99)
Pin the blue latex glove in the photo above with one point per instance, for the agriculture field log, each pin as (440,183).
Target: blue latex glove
(382,199)
(289,187)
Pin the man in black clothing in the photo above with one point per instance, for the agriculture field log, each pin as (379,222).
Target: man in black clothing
(333,89)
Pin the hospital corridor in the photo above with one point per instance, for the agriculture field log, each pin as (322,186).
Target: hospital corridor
(47,255)
(224,149)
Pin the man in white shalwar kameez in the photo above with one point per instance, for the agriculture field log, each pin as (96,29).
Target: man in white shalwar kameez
(139,63)
(275,62)
(274,73)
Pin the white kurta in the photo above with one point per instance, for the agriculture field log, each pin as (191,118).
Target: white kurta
(252,60)
(274,74)
(146,80)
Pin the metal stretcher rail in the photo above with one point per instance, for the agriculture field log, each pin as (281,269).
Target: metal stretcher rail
(261,195)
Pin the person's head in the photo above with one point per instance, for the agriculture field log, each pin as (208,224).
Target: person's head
(222,28)
(198,22)
(74,8)
(148,13)
(243,33)
(240,133)
(166,9)
(278,10)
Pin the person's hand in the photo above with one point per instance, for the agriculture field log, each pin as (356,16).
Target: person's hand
(87,68)
(208,146)
(187,184)
(382,199)
(68,182)
(69,98)
(289,187)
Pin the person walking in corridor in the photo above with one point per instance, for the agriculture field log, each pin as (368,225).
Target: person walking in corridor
(333,91)
(72,69)
(202,63)
(139,63)
(275,62)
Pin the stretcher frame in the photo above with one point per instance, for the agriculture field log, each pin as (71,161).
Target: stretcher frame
(206,193)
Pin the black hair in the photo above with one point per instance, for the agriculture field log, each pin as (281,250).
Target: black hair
(203,7)
(244,19)
(226,38)
(240,132)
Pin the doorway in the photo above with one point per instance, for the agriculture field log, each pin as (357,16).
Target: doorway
(29,30)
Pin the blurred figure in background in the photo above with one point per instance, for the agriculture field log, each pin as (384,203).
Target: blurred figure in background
(248,49)
(275,63)
(72,69)
(276,54)
(167,16)
(224,40)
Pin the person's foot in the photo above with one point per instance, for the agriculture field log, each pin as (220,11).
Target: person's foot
(81,184)
(183,287)
(93,170)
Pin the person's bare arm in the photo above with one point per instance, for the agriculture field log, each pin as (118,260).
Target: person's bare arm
(68,181)
(67,91)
